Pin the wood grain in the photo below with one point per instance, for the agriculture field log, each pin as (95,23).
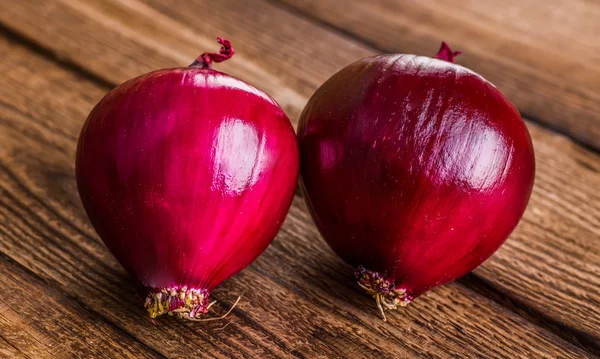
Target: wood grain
(299,301)
(37,321)
(294,309)
(577,231)
(543,56)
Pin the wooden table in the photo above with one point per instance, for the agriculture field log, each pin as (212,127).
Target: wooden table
(63,295)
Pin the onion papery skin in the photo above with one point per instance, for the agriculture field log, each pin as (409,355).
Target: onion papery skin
(187,175)
(415,171)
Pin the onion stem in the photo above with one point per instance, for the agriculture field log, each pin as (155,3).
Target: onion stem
(205,60)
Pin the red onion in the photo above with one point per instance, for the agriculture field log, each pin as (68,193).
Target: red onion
(187,175)
(415,171)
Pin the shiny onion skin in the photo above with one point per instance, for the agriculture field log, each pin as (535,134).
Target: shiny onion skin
(415,171)
(187,175)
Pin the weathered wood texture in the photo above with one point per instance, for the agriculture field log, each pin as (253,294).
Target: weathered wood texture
(542,54)
(537,297)
(293,294)
(41,322)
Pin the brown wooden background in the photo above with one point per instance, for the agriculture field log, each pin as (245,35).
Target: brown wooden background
(63,295)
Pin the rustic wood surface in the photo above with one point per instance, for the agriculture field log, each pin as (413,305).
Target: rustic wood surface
(65,296)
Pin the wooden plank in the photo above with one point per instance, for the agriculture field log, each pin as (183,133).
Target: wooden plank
(39,322)
(299,301)
(544,57)
(157,49)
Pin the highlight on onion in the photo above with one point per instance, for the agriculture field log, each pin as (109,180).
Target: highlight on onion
(187,175)
(414,169)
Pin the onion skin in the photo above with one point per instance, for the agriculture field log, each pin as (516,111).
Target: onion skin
(187,175)
(414,169)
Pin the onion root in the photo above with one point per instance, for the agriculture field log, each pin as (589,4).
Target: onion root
(384,291)
(186,303)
